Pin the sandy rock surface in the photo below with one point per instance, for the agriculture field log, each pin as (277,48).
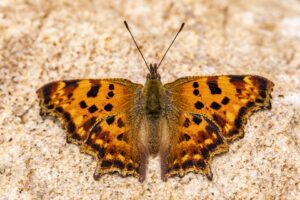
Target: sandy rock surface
(42,41)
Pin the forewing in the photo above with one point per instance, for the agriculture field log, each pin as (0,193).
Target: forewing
(96,113)
(226,100)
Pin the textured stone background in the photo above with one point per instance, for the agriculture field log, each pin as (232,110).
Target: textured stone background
(42,41)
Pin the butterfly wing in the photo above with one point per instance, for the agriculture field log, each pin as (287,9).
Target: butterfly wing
(208,112)
(98,116)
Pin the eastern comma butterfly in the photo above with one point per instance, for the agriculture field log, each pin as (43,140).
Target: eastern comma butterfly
(186,122)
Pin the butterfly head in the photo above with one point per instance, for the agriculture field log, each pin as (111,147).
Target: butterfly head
(153,74)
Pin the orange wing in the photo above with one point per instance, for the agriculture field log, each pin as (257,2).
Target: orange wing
(224,102)
(191,146)
(96,114)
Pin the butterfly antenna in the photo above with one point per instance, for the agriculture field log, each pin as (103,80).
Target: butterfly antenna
(126,25)
(181,27)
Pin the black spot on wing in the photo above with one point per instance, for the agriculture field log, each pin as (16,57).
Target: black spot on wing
(83,104)
(67,116)
(214,88)
(110,94)
(205,153)
(187,164)
(250,104)
(111,86)
(219,140)
(101,152)
(215,106)
(211,147)
(110,119)
(59,109)
(47,92)
(119,164)
(186,123)
(71,84)
(236,79)
(233,131)
(225,101)
(93,109)
(186,137)
(195,85)
(262,83)
(120,123)
(71,127)
(93,91)
(106,163)
(197,119)
(108,107)
(120,136)
(199,105)
(196,92)
(76,136)
(263,94)
(238,121)
(129,166)
(200,164)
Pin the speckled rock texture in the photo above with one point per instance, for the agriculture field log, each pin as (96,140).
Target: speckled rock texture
(42,41)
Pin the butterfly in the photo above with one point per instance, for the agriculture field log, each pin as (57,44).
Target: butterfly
(186,122)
